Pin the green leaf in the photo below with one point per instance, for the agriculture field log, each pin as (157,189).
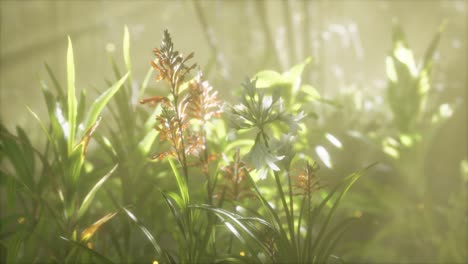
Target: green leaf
(177,199)
(28,152)
(172,198)
(57,85)
(294,74)
(274,217)
(147,233)
(144,85)
(427,61)
(312,93)
(58,124)
(330,241)
(239,144)
(92,229)
(234,223)
(346,185)
(41,124)
(99,104)
(126,50)
(81,107)
(72,107)
(100,258)
(390,69)
(269,78)
(181,182)
(90,196)
(75,164)
(12,150)
(260,155)
(145,144)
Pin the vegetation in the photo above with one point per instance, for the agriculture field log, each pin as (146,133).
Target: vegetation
(178,175)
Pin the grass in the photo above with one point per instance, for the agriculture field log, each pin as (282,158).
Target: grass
(180,176)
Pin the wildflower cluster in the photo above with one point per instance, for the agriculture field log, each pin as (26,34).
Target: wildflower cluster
(307,181)
(186,110)
(235,186)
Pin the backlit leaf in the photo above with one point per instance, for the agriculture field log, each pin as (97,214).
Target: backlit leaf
(72,107)
(90,196)
(99,104)
(92,229)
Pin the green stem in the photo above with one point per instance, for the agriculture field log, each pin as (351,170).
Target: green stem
(285,206)
(283,197)
(291,206)
(205,165)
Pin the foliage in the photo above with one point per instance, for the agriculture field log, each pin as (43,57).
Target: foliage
(242,181)
(56,190)
(400,206)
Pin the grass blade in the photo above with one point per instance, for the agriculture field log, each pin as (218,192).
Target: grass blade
(101,101)
(92,229)
(126,51)
(347,182)
(234,223)
(97,255)
(144,85)
(332,239)
(145,231)
(180,182)
(71,96)
(170,198)
(90,196)
(57,85)
(81,107)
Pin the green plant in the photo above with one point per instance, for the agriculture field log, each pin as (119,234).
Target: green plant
(403,207)
(55,192)
(196,234)
(417,118)
(265,114)
(206,165)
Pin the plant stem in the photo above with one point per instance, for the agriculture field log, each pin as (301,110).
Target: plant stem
(285,206)
(283,197)
(291,204)
(181,151)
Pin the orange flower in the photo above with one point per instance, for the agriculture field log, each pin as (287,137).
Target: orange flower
(307,181)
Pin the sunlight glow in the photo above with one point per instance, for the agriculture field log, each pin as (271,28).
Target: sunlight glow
(445,110)
(391,151)
(324,156)
(390,67)
(63,122)
(110,47)
(405,55)
(334,140)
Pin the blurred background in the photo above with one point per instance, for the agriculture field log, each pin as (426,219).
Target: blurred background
(347,40)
